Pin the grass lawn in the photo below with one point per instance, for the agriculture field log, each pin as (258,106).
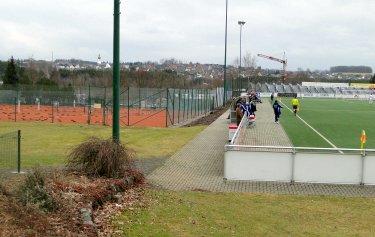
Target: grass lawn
(47,144)
(246,214)
(215,214)
(339,121)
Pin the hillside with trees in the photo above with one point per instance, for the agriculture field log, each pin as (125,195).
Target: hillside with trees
(351,69)
(33,72)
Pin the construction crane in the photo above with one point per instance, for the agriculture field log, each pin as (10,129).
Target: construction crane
(283,61)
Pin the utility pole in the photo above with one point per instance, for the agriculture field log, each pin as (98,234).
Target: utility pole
(116,73)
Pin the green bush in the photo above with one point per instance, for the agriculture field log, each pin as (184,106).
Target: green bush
(34,191)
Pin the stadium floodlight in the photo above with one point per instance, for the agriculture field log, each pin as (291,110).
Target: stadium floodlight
(225,55)
(241,23)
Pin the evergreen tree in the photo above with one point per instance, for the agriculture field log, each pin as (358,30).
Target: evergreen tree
(11,77)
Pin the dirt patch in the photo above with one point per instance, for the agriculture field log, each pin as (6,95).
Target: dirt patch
(209,118)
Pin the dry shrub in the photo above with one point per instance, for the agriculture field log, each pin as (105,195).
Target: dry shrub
(138,178)
(34,191)
(3,190)
(101,158)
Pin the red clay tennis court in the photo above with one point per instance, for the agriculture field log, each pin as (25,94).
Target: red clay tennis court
(83,115)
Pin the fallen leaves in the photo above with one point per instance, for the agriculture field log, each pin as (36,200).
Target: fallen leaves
(74,192)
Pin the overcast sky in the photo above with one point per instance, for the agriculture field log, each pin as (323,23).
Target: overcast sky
(314,34)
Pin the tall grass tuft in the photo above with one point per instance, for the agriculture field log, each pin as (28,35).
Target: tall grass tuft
(101,158)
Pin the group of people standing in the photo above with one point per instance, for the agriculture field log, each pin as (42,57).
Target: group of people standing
(246,108)
(277,107)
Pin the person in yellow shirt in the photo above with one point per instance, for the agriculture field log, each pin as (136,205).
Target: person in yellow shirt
(295,104)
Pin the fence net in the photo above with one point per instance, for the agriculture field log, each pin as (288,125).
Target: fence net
(9,151)
(239,135)
(93,105)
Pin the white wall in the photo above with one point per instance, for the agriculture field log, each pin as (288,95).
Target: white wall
(327,168)
(265,166)
(300,167)
(369,170)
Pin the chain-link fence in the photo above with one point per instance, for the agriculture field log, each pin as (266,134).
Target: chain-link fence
(10,144)
(93,105)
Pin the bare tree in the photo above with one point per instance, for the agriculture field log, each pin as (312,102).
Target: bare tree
(236,62)
(249,61)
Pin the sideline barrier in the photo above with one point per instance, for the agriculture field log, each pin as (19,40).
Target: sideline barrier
(299,164)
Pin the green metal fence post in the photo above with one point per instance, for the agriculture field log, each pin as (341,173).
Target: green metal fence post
(213,103)
(186,105)
(89,109)
(128,106)
(167,109)
(217,102)
(195,103)
(199,100)
(183,114)
(206,101)
(104,105)
(203,101)
(15,109)
(188,108)
(191,103)
(179,105)
(139,97)
(173,103)
(52,112)
(84,104)
(160,98)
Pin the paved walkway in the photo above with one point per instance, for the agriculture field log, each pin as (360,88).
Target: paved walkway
(199,164)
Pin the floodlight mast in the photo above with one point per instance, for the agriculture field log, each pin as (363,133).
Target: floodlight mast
(116,73)
(225,54)
(241,23)
(283,61)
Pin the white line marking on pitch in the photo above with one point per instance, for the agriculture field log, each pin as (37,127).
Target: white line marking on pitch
(329,142)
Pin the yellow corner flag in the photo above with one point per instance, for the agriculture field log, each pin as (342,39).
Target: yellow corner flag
(363,138)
